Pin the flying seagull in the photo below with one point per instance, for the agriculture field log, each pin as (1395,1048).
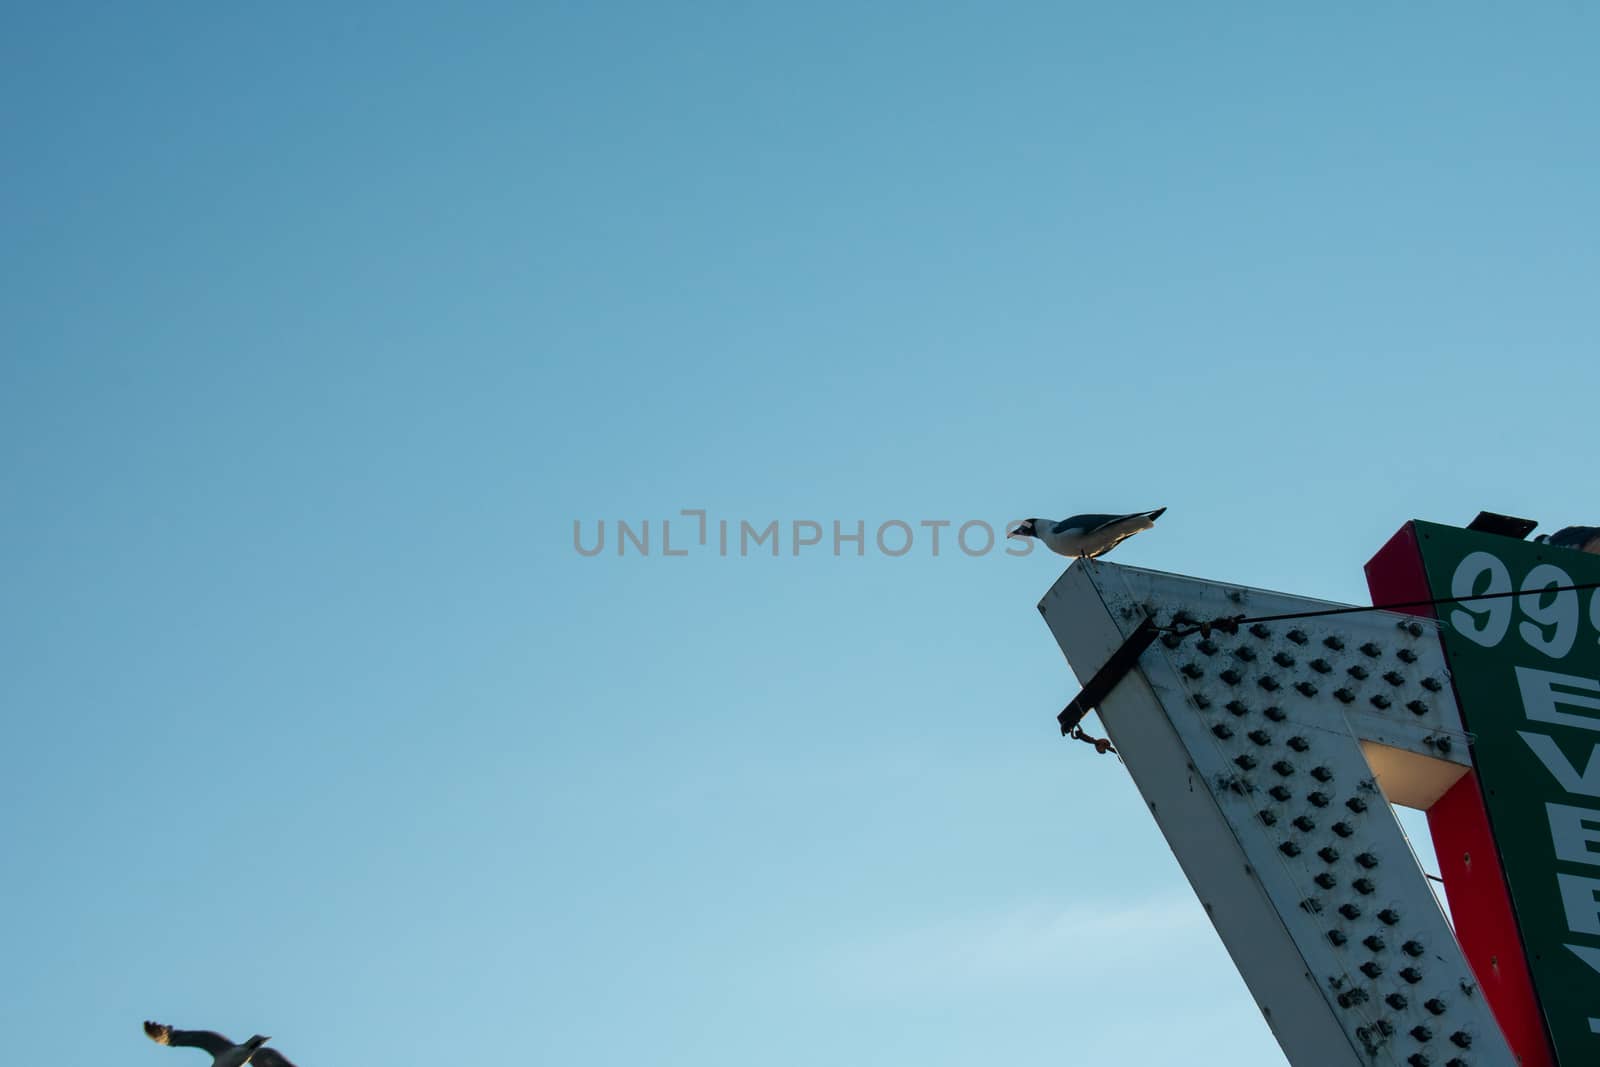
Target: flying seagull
(224,1053)
(1086,535)
(1582,538)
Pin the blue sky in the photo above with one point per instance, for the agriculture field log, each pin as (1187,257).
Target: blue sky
(320,329)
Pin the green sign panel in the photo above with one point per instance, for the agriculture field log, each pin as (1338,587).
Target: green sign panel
(1527,668)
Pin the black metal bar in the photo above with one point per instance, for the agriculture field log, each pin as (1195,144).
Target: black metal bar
(1110,673)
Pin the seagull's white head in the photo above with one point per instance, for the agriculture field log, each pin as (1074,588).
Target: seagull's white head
(1025,528)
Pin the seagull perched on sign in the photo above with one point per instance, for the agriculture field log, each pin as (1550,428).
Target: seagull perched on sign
(1582,538)
(1086,535)
(224,1053)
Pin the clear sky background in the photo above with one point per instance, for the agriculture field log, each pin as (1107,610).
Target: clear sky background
(320,327)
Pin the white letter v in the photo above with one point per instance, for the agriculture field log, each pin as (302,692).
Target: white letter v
(1555,761)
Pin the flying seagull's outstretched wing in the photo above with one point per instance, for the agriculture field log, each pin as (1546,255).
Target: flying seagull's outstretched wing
(269,1057)
(209,1040)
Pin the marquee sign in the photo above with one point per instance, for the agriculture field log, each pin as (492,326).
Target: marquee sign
(1269,753)
(1265,756)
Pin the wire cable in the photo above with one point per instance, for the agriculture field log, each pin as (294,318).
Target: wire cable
(1231,623)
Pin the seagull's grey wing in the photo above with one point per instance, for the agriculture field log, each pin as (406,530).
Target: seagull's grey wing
(1574,536)
(269,1057)
(1084,523)
(209,1040)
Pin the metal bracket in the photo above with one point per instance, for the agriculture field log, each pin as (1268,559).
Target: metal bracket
(1123,660)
